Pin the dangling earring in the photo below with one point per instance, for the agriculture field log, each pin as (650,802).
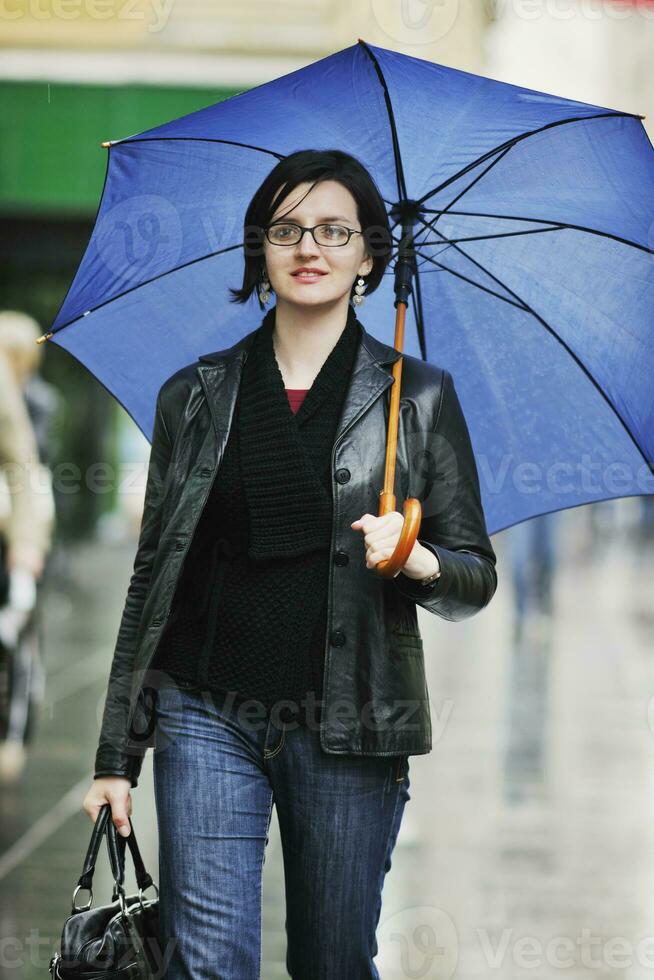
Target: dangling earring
(359,290)
(264,288)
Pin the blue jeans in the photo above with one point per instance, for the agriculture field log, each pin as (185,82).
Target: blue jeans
(216,777)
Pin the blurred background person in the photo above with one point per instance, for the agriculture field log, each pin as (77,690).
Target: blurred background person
(26,524)
(533,548)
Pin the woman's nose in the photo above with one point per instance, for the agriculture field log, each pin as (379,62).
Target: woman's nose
(307,245)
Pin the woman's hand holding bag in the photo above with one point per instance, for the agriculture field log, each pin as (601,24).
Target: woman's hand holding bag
(119,940)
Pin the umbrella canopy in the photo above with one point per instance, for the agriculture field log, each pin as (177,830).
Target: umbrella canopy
(534,248)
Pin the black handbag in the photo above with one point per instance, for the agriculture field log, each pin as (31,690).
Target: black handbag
(118,940)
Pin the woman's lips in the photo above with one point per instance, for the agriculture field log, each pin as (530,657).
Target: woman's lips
(308,277)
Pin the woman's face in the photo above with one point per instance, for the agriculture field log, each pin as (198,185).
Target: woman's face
(328,202)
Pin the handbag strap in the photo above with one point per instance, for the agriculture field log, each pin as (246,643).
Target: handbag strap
(116,847)
(86,878)
(143,878)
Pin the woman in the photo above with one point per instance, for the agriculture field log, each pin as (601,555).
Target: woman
(284,668)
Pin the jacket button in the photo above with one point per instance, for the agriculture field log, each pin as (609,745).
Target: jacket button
(341,558)
(338,638)
(156,622)
(206,471)
(343,475)
(179,546)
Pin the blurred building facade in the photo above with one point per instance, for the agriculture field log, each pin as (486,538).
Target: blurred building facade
(598,51)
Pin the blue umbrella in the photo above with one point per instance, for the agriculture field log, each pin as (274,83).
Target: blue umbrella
(532,234)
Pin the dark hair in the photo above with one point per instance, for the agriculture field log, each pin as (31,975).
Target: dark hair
(316,166)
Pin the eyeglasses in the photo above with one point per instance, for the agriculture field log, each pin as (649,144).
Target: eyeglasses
(288,233)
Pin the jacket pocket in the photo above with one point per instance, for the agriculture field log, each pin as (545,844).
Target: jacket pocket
(406,643)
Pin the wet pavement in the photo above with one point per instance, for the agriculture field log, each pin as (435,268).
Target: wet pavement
(527,847)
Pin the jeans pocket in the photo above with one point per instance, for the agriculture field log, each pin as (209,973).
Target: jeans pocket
(401,766)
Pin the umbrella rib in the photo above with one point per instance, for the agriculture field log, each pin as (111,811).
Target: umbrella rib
(472,282)
(420,320)
(522,304)
(399,169)
(416,245)
(510,143)
(147,282)
(427,259)
(551,221)
(481,238)
(468,186)
(472,183)
(425,272)
(195,139)
(398,239)
(482,268)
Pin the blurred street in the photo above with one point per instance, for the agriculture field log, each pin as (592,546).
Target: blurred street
(526,850)
(528,840)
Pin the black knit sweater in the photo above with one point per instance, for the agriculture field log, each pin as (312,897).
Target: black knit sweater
(252,626)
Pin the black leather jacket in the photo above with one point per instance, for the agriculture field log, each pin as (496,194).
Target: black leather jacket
(375,694)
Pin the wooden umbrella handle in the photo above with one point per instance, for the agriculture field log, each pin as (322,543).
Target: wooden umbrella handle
(388,567)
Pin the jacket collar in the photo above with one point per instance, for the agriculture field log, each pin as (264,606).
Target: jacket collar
(377,351)
(220,375)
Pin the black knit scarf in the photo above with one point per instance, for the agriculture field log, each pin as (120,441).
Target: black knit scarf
(288,498)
